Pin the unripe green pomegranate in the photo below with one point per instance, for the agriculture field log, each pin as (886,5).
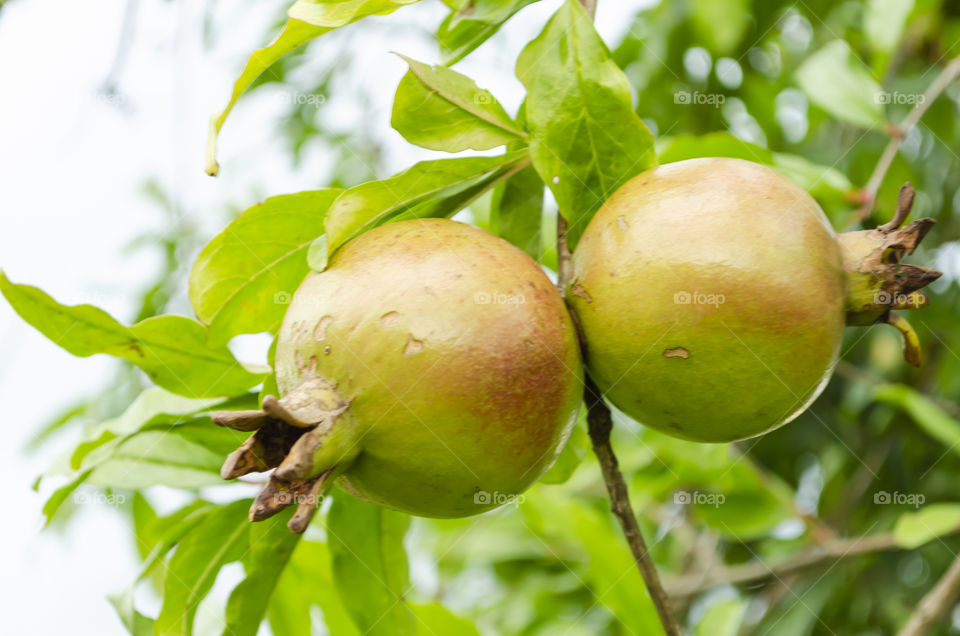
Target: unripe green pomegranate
(432,366)
(712,296)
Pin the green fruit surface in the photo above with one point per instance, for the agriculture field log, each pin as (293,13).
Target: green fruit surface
(458,356)
(710,294)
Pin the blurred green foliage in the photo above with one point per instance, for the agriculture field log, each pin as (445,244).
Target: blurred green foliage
(807,87)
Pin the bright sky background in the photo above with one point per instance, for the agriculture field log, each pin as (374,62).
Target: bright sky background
(72,168)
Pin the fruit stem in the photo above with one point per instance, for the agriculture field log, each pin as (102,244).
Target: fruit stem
(911,342)
(600,423)
(877,280)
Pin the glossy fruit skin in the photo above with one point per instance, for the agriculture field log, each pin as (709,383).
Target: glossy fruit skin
(710,294)
(457,354)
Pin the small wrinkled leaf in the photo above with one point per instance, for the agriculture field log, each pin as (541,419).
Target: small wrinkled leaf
(222,537)
(370,565)
(172,350)
(585,138)
(243,279)
(440,109)
(469,26)
(428,189)
(308,20)
(838,82)
(924,411)
(913,529)
(271,546)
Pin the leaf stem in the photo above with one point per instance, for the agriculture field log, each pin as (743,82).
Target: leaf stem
(869,193)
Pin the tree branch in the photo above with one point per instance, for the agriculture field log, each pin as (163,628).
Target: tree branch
(869,193)
(600,423)
(934,606)
(835,550)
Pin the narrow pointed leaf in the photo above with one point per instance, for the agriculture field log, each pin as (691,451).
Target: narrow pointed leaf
(428,189)
(271,546)
(467,27)
(308,20)
(440,109)
(244,278)
(172,350)
(222,537)
(370,565)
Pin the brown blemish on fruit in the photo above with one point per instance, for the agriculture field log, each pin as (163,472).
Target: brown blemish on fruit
(312,367)
(622,224)
(413,347)
(577,290)
(320,331)
(326,350)
(530,344)
(676,352)
(298,360)
(389,318)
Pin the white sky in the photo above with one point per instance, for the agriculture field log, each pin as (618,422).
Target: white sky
(71,170)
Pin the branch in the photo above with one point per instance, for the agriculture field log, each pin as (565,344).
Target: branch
(869,192)
(832,551)
(600,424)
(934,606)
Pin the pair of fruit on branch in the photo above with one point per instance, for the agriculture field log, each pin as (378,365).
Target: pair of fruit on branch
(433,367)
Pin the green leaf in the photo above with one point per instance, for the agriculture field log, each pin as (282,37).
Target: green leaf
(428,189)
(924,411)
(243,279)
(516,209)
(370,565)
(913,529)
(172,350)
(837,81)
(434,619)
(715,144)
(440,109)
(469,26)
(164,534)
(884,22)
(308,581)
(271,546)
(222,537)
(586,140)
(720,25)
(723,619)
(308,20)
